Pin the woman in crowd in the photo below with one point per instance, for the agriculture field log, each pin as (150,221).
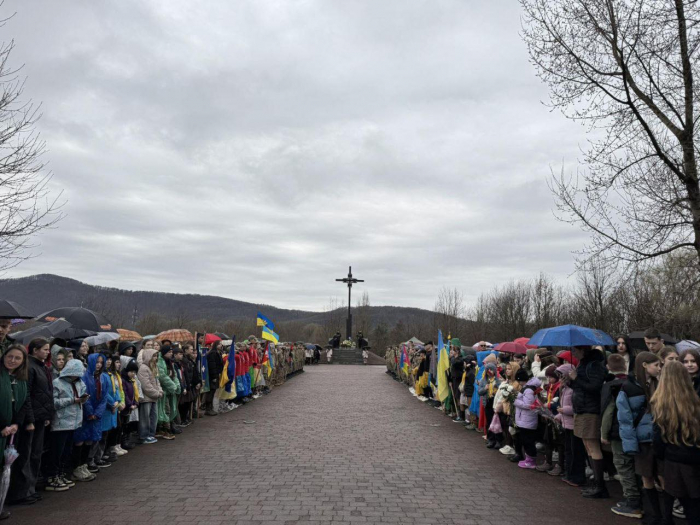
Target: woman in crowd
(30,446)
(587,382)
(668,353)
(691,361)
(113,450)
(488,386)
(15,405)
(624,348)
(152,393)
(676,413)
(167,404)
(68,398)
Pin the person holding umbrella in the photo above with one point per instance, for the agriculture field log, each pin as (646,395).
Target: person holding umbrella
(15,406)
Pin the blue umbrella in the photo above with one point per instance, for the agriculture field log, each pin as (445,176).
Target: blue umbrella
(571,335)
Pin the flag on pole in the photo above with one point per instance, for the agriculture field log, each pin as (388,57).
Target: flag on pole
(267,359)
(264,321)
(269,335)
(443,367)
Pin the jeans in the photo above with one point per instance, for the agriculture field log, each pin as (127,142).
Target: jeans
(148,419)
(575,452)
(25,469)
(624,463)
(60,452)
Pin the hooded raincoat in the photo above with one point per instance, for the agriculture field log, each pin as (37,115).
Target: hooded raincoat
(68,386)
(97,386)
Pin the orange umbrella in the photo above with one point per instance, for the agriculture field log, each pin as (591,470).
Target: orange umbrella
(128,335)
(177,335)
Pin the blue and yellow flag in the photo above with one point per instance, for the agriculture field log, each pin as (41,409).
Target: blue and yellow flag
(442,368)
(264,321)
(269,335)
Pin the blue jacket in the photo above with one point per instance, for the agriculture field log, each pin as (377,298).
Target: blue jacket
(69,414)
(109,419)
(631,401)
(95,405)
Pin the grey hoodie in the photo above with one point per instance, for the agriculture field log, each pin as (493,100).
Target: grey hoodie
(69,414)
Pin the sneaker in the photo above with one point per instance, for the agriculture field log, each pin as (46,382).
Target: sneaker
(678,510)
(507,450)
(54,484)
(168,436)
(127,446)
(470,426)
(422,398)
(150,441)
(458,420)
(544,467)
(103,464)
(92,467)
(120,451)
(68,482)
(629,509)
(159,433)
(556,471)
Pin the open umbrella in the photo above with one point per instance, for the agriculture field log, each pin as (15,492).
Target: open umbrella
(210,338)
(687,344)
(221,335)
(129,335)
(102,338)
(637,340)
(571,335)
(12,310)
(177,335)
(511,348)
(524,341)
(59,328)
(11,455)
(79,318)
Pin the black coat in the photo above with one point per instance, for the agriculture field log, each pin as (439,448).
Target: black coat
(215,365)
(611,388)
(588,384)
(677,453)
(40,390)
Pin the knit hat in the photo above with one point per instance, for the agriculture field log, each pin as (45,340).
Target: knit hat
(165,349)
(456,343)
(177,350)
(551,371)
(491,358)
(131,366)
(521,376)
(568,356)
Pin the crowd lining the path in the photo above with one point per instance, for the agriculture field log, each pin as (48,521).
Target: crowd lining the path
(70,410)
(591,414)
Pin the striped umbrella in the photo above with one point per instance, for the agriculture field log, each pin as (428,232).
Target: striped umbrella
(129,335)
(177,335)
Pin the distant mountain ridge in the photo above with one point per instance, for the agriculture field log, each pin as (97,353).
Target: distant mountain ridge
(43,292)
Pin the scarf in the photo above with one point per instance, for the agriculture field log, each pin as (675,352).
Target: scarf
(551,392)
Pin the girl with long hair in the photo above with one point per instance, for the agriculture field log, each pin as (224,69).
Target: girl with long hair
(676,410)
(691,361)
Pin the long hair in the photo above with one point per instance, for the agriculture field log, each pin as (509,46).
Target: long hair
(641,374)
(22,371)
(36,343)
(676,407)
(514,367)
(694,353)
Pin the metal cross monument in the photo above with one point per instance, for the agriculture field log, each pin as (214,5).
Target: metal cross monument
(350,281)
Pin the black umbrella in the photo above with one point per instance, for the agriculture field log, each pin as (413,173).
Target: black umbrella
(12,310)
(48,330)
(79,318)
(637,340)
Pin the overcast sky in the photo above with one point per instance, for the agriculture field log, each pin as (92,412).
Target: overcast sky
(255,149)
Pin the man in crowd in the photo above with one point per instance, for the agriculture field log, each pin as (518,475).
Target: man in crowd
(653,340)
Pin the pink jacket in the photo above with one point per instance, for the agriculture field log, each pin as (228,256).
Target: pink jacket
(566,402)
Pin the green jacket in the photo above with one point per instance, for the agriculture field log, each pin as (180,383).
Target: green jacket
(167,405)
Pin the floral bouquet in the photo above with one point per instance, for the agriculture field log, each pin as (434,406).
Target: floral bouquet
(347,344)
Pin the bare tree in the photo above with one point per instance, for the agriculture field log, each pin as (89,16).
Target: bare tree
(448,307)
(363,313)
(26,203)
(626,69)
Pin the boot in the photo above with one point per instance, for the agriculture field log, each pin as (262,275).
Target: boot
(598,490)
(528,463)
(666,507)
(544,467)
(652,499)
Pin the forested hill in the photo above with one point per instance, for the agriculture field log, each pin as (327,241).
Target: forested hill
(127,308)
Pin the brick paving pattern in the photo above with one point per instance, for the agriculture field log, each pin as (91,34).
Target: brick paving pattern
(337,444)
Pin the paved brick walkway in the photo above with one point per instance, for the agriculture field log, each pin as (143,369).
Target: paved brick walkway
(339,444)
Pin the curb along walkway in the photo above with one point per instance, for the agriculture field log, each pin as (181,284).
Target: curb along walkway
(339,444)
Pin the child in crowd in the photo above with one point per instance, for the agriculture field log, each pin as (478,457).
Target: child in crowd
(574,450)
(152,393)
(636,429)
(553,431)
(85,437)
(488,387)
(526,419)
(610,435)
(504,407)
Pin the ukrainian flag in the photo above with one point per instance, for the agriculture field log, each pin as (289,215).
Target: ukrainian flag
(264,321)
(269,335)
(443,367)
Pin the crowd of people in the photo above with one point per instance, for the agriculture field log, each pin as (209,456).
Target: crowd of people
(587,415)
(71,410)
